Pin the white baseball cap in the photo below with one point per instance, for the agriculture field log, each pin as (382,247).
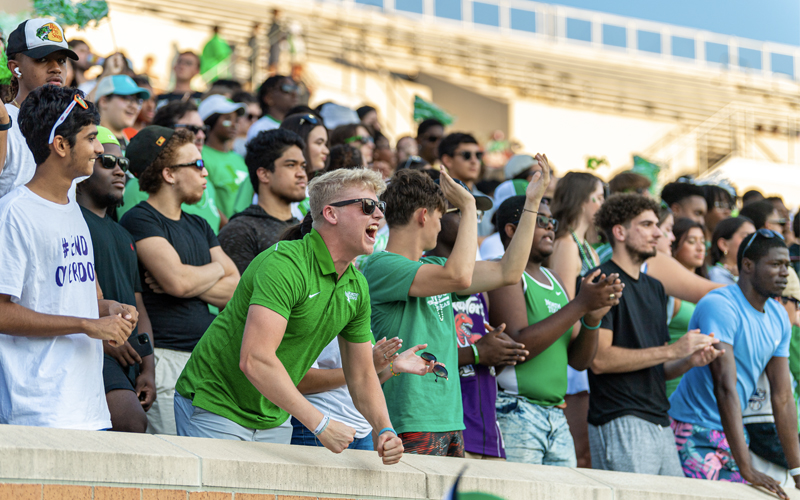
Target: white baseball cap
(37,38)
(219,104)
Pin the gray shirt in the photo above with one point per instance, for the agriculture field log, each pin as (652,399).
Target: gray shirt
(249,233)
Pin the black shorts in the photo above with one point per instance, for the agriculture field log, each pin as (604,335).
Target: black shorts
(115,377)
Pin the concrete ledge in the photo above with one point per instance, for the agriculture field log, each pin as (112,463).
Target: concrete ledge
(44,464)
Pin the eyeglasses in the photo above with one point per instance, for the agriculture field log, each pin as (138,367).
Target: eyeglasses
(110,162)
(479,213)
(368,205)
(438,370)
(780,222)
(467,155)
(766,233)
(310,119)
(359,138)
(544,221)
(289,89)
(786,300)
(61,119)
(192,128)
(723,205)
(199,164)
(412,159)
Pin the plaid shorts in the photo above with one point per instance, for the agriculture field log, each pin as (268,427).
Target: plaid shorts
(440,444)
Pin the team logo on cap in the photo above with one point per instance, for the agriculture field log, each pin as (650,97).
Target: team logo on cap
(50,32)
(160,141)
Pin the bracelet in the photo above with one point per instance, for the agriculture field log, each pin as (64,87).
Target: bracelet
(391,369)
(323,424)
(531,211)
(794,472)
(590,327)
(387,429)
(7,125)
(475,352)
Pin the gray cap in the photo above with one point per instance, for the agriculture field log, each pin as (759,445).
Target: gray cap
(518,164)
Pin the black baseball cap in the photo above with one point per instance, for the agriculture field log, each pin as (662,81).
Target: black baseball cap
(37,38)
(509,212)
(482,202)
(145,147)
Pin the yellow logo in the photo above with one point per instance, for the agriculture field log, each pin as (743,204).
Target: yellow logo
(160,141)
(50,32)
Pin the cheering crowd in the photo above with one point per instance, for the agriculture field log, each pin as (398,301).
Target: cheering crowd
(237,266)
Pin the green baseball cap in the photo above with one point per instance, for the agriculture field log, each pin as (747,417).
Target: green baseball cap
(105,136)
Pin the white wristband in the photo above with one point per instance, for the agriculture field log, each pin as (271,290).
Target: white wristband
(323,424)
(794,472)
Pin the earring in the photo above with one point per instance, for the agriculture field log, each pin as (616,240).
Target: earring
(725,252)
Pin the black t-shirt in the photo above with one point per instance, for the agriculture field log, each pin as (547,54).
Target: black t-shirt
(638,322)
(114,259)
(177,323)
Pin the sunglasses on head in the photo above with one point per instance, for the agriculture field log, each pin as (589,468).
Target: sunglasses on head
(764,233)
(310,119)
(368,205)
(438,370)
(76,100)
(192,128)
(110,161)
(467,155)
(359,138)
(199,164)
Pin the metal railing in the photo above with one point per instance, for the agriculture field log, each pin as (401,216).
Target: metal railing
(560,24)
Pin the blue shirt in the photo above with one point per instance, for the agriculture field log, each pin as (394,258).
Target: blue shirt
(756,337)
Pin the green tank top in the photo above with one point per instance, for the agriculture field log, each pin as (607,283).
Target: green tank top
(541,380)
(678,326)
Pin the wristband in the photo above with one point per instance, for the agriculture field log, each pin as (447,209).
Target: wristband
(391,369)
(590,327)
(794,472)
(323,424)
(475,352)
(389,429)
(531,211)
(7,125)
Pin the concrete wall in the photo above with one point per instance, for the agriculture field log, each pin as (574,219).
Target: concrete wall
(570,136)
(45,464)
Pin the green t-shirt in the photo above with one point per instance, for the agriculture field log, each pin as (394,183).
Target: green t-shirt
(542,380)
(205,208)
(226,171)
(298,280)
(416,404)
(678,326)
(244,197)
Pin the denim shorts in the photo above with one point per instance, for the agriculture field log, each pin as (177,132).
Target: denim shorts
(304,437)
(534,434)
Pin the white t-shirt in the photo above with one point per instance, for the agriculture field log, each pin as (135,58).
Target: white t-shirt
(47,263)
(266,122)
(337,403)
(19,166)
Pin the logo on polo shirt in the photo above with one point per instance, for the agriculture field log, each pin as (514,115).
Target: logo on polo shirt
(351,296)
(50,32)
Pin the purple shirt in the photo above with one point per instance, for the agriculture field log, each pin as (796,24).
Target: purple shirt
(478,383)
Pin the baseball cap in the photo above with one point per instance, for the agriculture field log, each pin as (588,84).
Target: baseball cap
(792,289)
(482,202)
(145,147)
(37,38)
(120,85)
(509,212)
(105,136)
(219,104)
(507,189)
(518,164)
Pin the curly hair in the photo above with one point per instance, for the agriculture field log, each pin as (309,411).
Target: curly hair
(621,209)
(408,191)
(265,148)
(169,114)
(151,180)
(344,156)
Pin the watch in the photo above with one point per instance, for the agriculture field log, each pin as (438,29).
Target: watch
(7,125)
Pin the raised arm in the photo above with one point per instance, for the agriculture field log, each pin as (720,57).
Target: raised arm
(263,333)
(677,280)
(489,275)
(221,292)
(723,373)
(171,275)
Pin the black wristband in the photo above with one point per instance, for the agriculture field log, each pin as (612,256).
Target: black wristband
(7,125)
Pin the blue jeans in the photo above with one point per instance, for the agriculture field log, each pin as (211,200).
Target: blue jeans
(304,437)
(534,434)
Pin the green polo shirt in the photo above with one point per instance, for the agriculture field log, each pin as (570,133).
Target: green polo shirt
(297,280)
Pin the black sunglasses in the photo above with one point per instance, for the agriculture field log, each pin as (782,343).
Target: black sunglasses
(110,162)
(467,155)
(763,232)
(199,164)
(544,222)
(786,300)
(192,128)
(368,205)
(438,370)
